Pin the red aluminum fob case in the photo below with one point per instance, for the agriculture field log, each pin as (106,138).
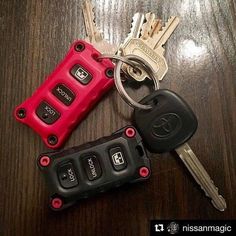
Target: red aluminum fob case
(65,97)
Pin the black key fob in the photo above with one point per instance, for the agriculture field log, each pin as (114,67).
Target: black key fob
(170,123)
(94,167)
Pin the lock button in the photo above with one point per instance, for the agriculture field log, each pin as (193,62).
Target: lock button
(66,175)
(47,113)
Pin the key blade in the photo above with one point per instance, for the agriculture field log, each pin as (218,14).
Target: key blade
(156,27)
(201,176)
(89,19)
(148,25)
(162,36)
(136,25)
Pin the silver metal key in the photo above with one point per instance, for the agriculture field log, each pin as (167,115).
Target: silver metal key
(94,36)
(201,176)
(159,39)
(169,125)
(141,27)
(149,27)
(135,32)
(151,49)
(135,29)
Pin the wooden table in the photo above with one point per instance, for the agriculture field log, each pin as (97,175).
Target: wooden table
(201,54)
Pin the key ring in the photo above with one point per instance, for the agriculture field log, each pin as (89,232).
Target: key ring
(118,58)
(133,61)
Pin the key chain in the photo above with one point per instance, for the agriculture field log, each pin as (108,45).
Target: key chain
(166,122)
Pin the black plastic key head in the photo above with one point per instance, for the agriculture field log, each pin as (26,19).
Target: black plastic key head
(168,125)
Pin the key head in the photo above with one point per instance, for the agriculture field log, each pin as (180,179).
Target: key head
(168,125)
(157,61)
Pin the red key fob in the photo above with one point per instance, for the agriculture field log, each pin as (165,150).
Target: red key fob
(69,92)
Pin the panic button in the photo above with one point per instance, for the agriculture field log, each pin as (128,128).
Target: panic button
(117,158)
(64,94)
(47,113)
(82,75)
(92,167)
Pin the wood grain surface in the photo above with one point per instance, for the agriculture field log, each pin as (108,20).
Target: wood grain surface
(34,37)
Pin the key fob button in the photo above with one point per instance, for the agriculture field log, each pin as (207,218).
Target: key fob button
(66,175)
(47,113)
(64,94)
(81,74)
(92,167)
(117,158)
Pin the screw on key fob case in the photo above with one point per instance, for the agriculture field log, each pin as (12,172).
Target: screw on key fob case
(65,97)
(94,167)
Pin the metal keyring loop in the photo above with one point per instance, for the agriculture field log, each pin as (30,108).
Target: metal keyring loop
(118,58)
(130,59)
(120,87)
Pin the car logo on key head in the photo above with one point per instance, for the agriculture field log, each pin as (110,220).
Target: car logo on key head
(166,125)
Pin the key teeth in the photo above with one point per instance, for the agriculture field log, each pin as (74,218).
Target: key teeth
(93,16)
(170,19)
(90,8)
(132,24)
(158,40)
(98,33)
(156,27)
(144,32)
(134,18)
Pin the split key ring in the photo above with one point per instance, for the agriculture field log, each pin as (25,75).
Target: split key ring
(133,61)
